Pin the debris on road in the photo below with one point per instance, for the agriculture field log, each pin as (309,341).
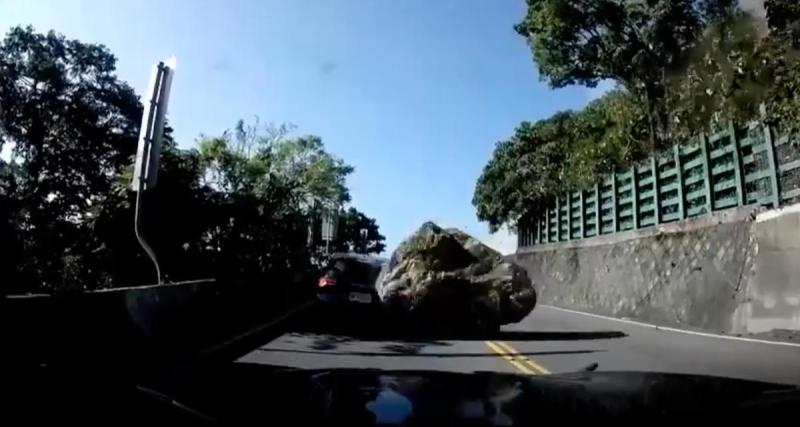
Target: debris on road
(447,278)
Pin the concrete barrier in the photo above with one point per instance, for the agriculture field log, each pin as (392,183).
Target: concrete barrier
(771,299)
(736,271)
(138,326)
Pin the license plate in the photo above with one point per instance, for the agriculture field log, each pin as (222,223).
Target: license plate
(360,297)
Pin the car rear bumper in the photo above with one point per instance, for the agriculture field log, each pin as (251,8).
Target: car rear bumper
(342,299)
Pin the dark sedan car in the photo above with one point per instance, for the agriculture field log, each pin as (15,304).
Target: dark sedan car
(349,280)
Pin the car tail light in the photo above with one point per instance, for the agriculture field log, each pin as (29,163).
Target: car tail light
(326,281)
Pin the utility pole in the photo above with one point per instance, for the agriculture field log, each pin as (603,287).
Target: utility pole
(363,233)
(329,227)
(145,174)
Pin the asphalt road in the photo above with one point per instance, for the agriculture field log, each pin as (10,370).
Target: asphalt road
(550,340)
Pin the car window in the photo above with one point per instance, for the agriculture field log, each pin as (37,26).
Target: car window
(356,271)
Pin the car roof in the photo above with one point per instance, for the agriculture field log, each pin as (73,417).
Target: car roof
(370,259)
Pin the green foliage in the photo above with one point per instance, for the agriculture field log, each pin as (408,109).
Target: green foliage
(73,124)
(608,134)
(783,16)
(565,152)
(251,156)
(779,58)
(635,43)
(723,79)
(235,208)
(740,70)
(320,175)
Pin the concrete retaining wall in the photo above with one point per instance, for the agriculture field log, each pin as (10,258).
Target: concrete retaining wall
(737,271)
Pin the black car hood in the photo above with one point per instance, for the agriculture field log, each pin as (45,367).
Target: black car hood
(250,394)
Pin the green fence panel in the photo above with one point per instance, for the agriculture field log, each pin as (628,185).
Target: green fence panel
(543,238)
(565,220)
(614,207)
(693,179)
(679,182)
(670,187)
(695,211)
(721,152)
(791,194)
(656,189)
(559,220)
(709,202)
(727,184)
(723,169)
(568,225)
(576,204)
(635,196)
(758,175)
(597,222)
(692,164)
(547,225)
(776,194)
(696,195)
(728,202)
(669,173)
(766,146)
(790,166)
(645,197)
(666,174)
(749,159)
(689,150)
(582,216)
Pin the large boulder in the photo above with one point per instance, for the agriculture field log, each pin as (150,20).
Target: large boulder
(448,278)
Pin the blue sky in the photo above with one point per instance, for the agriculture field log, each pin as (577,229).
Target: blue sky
(413,93)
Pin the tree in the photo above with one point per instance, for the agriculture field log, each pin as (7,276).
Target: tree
(738,72)
(72,124)
(723,80)
(523,171)
(783,16)
(563,153)
(246,159)
(609,134)
(779,60)
(320,175)
(9,236)
(349,236)
(637,44)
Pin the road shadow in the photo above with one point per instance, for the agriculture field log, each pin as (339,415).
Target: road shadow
(394,343)
(404,353)
(334,331)
(328,338)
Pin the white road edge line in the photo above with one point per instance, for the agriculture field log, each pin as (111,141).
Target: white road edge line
(666,328)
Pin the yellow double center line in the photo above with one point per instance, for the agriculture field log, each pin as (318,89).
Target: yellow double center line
(516,359)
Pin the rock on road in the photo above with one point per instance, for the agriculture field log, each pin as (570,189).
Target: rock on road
(549,340)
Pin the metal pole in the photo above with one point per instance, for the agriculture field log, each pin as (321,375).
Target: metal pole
(137,230)
(157,91)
